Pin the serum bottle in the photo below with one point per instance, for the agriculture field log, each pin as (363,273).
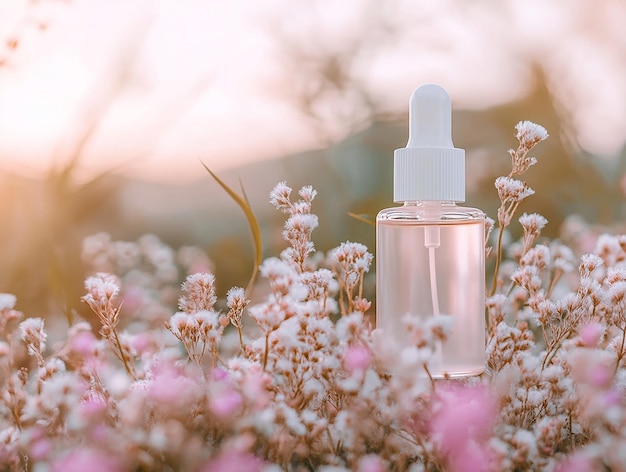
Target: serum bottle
(430,253)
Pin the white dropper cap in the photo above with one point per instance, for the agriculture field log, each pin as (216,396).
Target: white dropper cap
(429,168)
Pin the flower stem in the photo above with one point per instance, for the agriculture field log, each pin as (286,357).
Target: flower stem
(498,261)
(118,344)
(267,348)
(243,347)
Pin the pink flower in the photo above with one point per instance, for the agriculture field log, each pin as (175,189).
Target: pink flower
(99,433)
(356,358)
(93,406)
(371,463)
(225,403)
(133,299)
(590,334)
(462,425)
(600,376)
(170,386)
(142,343)
(219,374)
(84,343)
(577,462)
(39,446)
(612,398)
(40,449)
(233,461)
(251,381)
(80,460)
(474,458)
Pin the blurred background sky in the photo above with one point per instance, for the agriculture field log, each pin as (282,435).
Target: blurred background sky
(107,108)
(159,84)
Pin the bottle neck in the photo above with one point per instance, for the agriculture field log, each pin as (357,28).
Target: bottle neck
(429,203)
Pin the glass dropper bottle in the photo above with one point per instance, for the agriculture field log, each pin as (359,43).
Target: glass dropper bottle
(430,255)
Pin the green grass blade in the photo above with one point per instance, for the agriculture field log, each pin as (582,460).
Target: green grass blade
(253,223)
(370,220)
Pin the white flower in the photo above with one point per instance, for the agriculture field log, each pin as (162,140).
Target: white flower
(589,263)
(34,336)
(611,248)
(300,224)
(235,295)
(529,133)
(268,316)
(537,256)
(273,267)
(279,196)
(512,189)
(562,257)
(55,364)
(208,321)
(101,286)
(533,222)
(198,293)
(178,324)
(10,439)
(616,294)
(7,301)
(352,257)
(307,193)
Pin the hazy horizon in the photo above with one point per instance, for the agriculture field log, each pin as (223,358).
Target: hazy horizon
(150,88)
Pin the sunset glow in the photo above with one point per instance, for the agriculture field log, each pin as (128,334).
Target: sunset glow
(159,85)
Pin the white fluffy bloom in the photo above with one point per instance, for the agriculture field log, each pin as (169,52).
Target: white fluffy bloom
(425,333)
(589,263)
(198,293)
(273,267)
(412,357)
(101,286)
(178,324)
(61,392)
(563,257)
(235,295)
(10,440)
(34,336)
(353,259)
(7,301)
(616,293)
(537,256)
(611,248)
(55,364)
(301,223)
(236,302)
(209,324)
(307,193)
(292,421)
(279,196)
(532,221)
(268,316)
(512,189)
(529,133)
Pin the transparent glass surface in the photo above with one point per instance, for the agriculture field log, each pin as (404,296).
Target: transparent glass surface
(443,242)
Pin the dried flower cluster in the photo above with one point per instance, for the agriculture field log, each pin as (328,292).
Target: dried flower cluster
(299,380)
(512,192)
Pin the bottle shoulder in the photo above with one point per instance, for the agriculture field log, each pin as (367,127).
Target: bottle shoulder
(422,213)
